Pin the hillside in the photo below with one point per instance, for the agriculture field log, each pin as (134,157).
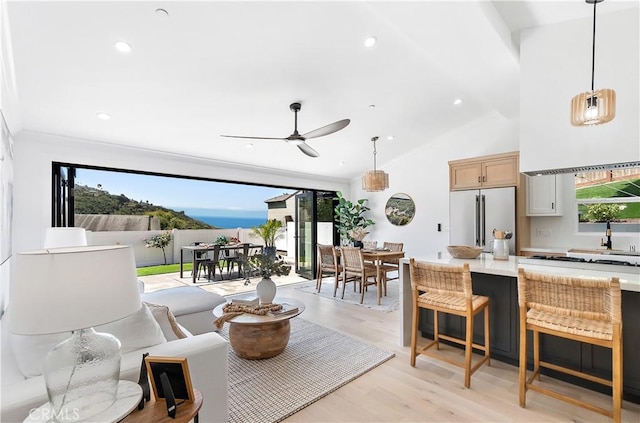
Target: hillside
(90,200)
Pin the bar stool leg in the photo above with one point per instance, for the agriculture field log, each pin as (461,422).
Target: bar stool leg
(468,348)
(487,348)
(414,333)
(536,353)
(522,378)
(616,360)
(436,332)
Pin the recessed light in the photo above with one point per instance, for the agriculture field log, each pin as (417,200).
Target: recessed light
(123,47)
(341,164)
(248,145)
(103,116)
(390,137)
(372,106)
(457,101)
(162,14)
(369,42)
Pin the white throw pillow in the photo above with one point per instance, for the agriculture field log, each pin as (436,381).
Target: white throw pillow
(30,351)
(137,331)
(167,321)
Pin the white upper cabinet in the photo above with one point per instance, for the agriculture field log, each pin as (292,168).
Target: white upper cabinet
(544,195)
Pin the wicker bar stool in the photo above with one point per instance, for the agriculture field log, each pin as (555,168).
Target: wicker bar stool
(585,310)
(447,289)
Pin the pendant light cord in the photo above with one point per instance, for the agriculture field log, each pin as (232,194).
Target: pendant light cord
(374,139)
(593,47)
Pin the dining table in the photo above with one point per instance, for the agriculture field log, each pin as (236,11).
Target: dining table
(194,249)
(378,257)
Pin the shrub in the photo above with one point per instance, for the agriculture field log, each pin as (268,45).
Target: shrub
(603,212)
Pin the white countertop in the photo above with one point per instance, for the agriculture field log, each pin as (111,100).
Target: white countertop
(629,276)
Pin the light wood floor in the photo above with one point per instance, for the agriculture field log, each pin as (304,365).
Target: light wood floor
(433,391)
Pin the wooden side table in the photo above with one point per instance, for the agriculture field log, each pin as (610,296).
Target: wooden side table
(156,411)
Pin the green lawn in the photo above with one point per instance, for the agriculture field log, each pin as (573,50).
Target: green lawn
(632,187)
(165,268)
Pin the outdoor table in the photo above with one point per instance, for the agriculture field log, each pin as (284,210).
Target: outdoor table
(208,247)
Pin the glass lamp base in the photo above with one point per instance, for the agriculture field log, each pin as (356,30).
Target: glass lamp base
(81,374)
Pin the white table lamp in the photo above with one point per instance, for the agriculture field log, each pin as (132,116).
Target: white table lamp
(64,237)
(74,289)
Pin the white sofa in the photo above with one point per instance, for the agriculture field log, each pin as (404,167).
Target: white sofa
(206,353)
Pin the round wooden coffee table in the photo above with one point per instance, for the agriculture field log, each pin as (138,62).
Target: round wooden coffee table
(256,337)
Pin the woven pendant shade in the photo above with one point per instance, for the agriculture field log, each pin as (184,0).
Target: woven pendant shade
(593,108)
(375,180)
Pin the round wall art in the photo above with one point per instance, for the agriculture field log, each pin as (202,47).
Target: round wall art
(400,209)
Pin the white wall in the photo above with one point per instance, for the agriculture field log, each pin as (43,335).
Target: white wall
(555,65)
(34,153)
(564,229)
(423,174)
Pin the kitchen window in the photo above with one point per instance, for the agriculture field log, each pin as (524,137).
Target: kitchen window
(608,196)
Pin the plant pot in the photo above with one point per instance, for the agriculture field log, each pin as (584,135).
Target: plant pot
(266,291)
(359,244)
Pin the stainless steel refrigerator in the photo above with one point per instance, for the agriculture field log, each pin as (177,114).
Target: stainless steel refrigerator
(474,214)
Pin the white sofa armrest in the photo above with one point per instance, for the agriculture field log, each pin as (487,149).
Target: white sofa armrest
(207,357)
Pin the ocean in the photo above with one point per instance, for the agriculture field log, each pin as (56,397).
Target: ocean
(226,222)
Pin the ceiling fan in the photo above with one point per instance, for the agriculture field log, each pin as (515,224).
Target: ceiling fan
(298,139)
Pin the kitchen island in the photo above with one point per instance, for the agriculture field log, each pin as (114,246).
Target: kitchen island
(498,279)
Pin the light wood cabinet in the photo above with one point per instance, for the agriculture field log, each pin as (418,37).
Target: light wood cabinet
(500,170)
(544,195)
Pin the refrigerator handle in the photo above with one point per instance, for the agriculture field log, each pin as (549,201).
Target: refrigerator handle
(478,221)
(482,201)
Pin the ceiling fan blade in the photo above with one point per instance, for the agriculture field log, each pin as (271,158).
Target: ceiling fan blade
(306,149)
(253,138)
(326,130)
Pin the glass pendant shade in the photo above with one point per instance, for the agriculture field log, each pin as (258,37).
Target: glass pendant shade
(593,107)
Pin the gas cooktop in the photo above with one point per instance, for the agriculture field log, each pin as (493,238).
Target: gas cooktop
(583,260)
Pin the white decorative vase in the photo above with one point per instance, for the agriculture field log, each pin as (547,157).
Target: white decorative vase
(266,291)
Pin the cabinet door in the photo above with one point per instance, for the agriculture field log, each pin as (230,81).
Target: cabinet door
(465,176)
(543,194)
(500,172)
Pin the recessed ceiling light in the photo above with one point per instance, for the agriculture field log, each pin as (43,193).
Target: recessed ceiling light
(390,137)
(457,101)
(162,14)
(372,106)
(123,47)
(103,116)
(369,42)
(248,145)
(341,164)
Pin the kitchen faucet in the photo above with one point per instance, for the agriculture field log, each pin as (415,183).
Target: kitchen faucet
(608,234)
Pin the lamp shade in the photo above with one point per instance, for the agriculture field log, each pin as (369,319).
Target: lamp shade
(593,107)
(67,289)
(65,237)
(375,180)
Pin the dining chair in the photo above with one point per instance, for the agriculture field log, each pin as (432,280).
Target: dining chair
(447,289)
(579,309)
(357,270)
(235,256)
(214,262)
(200,258)
(369,245)
(390,265)
(328,263)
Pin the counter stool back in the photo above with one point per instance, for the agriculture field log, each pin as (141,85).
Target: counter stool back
(585,310)
(447,289)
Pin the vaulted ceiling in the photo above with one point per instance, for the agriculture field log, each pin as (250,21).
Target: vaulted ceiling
(203,69)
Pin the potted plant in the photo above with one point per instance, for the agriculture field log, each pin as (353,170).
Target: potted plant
(269,231)
(350,221)
(267,265)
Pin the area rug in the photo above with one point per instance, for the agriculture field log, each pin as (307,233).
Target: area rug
(316,362)
(389,303)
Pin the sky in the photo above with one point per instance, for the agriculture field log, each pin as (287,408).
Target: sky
(195,198)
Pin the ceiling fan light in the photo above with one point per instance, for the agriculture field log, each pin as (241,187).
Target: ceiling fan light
(593,107)
(375,180)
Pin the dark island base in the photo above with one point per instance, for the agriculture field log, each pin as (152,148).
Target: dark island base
(504,326)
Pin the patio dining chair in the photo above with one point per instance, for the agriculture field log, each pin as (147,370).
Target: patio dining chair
(200,258)
(358,271)
(233,258)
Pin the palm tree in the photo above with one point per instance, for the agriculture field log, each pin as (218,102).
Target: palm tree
(269,232)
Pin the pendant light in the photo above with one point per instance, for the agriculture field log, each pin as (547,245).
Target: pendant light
(375,180)
(595,106)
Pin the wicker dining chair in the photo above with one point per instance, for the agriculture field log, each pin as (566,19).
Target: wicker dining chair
(328,263)
(447,289)
(584,310)
(390,265)
(356,270)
